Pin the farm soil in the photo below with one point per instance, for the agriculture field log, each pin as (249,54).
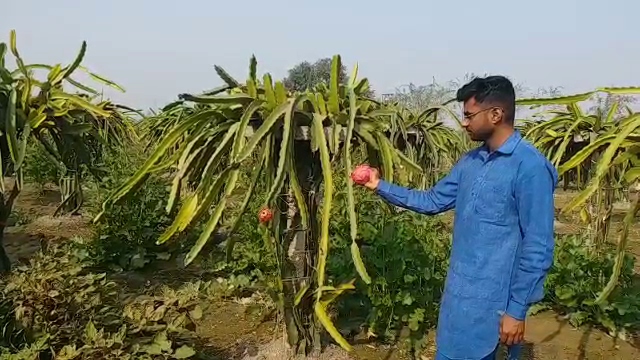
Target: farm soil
(230,330)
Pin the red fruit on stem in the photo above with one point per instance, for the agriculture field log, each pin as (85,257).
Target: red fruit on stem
(361,174)
(265,215)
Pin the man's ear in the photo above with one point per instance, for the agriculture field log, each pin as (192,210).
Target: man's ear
(496,114)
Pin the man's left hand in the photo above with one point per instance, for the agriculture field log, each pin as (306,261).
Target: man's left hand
(511,330)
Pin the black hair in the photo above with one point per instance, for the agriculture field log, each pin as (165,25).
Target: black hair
(495,89)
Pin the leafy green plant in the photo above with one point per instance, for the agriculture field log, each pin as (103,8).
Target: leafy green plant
(41,170)
(407,256)
(578,274)
(53,295)
(126,239)
(57,308)
(249,263)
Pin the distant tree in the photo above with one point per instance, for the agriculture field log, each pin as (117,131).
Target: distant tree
(306,75)
(417,98)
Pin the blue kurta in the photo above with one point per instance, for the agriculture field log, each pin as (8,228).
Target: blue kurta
(502,245)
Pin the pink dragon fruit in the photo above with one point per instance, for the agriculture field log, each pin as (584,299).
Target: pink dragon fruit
(361,174)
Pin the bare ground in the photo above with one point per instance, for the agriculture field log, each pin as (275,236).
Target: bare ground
(231,331)
(548,337)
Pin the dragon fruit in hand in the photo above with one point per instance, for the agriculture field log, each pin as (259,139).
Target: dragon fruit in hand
(361,174)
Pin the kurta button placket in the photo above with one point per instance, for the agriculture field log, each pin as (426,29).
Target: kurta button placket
(479,181)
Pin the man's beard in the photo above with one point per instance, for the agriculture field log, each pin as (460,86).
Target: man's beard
(479,136)
(476,137)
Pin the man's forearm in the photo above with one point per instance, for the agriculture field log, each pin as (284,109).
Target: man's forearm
(420,201)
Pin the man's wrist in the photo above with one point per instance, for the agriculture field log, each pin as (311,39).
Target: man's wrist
(516,310)
(381,186)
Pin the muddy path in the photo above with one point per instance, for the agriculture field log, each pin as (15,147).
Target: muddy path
(32,224)
(243,336)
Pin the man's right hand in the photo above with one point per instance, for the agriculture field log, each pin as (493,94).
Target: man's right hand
(374,179)
(366,176)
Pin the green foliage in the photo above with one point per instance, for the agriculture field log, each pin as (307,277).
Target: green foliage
(73,127)
(127,236)
(243,262)
(54,296)
(117,165)
(126,239)
(409,258)
(406,255)
(249,262)
(579,274)
(57,308)
(41,169)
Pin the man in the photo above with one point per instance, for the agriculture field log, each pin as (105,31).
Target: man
(503,235)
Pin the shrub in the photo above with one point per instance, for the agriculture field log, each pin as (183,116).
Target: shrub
(41,169)
(251,263)
(406,255)
(125,237)
(577,276)
(127,234)
(53,295)
(57,308)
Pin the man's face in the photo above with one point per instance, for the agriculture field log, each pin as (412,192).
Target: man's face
(479,120)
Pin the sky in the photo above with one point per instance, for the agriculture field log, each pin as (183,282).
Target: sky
(158,49)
